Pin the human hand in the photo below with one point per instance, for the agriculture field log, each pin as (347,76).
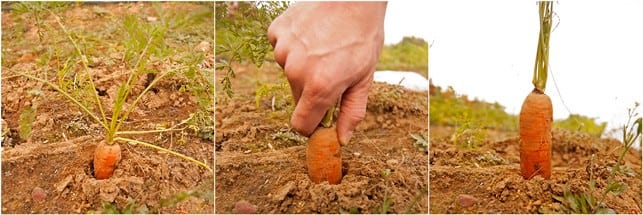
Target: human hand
(328,50)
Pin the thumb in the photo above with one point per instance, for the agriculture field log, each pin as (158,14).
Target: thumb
(352,110)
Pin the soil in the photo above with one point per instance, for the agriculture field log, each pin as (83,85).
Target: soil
(57,156)
(491,174)
(259,159)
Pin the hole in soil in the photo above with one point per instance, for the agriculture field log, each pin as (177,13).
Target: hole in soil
(150,77)
(89,170)
(12,138)
(344,169)
(101,92)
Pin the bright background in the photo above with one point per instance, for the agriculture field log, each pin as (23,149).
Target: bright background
(486,49)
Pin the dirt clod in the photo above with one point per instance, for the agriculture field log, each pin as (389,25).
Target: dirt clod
(108,191)
(281,194)
(63,184)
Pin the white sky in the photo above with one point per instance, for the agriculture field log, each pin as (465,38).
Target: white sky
(486,49)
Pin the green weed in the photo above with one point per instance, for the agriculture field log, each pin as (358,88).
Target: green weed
(286,135)
(131,208)
(585,202)
(421,142)
(423,192)
(203,191)
(241,35)
(468,135)
(386,201)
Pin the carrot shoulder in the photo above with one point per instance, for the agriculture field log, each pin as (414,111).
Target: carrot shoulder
(106,158)
(535,135)
(323,156)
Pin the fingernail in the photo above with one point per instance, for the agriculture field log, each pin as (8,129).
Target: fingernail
(346,138)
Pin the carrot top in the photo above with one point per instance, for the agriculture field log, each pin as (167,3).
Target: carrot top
(542,53)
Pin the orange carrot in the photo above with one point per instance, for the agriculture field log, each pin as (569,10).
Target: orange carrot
(536,111)
(323,156)
(106,158)
(535,135)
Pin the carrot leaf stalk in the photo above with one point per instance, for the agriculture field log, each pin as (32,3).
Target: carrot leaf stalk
(327,121)
(542,53)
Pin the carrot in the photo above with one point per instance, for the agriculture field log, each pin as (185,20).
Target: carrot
(323,156)
(536,112)
(535,135)
(106,158)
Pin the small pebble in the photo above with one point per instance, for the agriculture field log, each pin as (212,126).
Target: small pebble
(244,207)
(38,194)
(465,200)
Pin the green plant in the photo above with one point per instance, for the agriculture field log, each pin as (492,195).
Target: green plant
(421,142)
(468,135)
(203,191)
(411,53)
(278,93)
(386,201)
(144,43)
(582,203)
(447,109)
(29,115)
(288,135)
(351,210)
(423,192)
(581,123)
(586,202)
(241,35)
(131,208)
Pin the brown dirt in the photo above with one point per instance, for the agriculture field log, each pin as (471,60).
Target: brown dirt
(260,160)
(57,156)
(491,174)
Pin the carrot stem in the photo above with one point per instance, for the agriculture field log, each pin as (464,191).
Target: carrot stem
(146,132)
(542,53)
(61,91)
(128,111)
(327,121)
(165,150)
(83,59)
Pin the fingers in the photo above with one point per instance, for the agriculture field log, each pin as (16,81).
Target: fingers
(310,109)
(277,28)
(276,33)
(352,110)
(297,70)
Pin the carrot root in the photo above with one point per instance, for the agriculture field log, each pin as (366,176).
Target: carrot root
(323,156)
(106,158)
(536,118)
